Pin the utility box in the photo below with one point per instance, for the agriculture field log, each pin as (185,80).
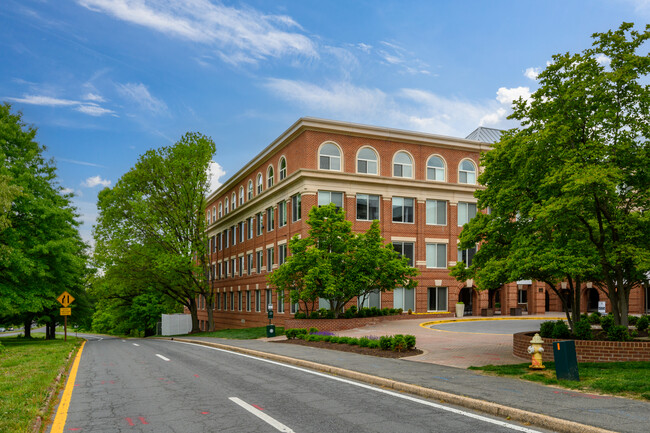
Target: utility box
(270,331)
(566,362)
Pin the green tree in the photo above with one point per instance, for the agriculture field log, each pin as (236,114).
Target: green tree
(151,230)
(576,175)
(335,264)
(42,251)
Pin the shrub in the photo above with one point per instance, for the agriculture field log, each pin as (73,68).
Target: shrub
(385,311)
(344,340)
(632,320)
(363,342)
(582,330)
(497,305)
(353,341)
(350,313)
(584,316)
(310,337)
(314,315)
(410,341)
(642,323)
(546,329)
(399,311)
(374,311)
(618,333)
(373,344)
(313,330)
(362,312)
(606,322)
(594,318)
(326,338)
(561,330)
(385,342)
(398,343)
(295,333)
(410,311)
(334,339)
(300,315)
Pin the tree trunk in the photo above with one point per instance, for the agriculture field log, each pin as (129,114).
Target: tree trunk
(194,314)
(210,314)
(28,327)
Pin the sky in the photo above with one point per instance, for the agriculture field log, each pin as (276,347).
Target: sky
(104,81)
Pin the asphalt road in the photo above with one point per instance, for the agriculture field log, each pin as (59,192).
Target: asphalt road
(139,385)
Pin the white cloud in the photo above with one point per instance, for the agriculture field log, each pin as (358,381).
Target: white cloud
(603,59)
(47,101)
(67,191)
(532,73)
(92,182)
(74,161)
(139,94)
(493,118)
(93,110)
(239,34)
(93,97)
(508,95)
(414,109)
(215,172)
(395,55)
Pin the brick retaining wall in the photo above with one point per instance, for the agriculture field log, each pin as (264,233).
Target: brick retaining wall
(586,350)
(357,322)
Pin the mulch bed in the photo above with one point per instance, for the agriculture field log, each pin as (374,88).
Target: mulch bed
(353,349)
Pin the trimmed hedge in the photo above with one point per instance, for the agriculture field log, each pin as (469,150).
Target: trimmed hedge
(397,342)
(350,313)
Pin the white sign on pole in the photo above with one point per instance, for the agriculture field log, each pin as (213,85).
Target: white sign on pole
(601,307)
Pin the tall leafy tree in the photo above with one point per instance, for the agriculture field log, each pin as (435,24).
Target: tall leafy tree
(335,264)
(42,251)
(151,230)
(576,174)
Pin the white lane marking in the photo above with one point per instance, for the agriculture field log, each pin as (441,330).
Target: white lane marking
(123,341)
(136,344)
(261,415)
(162,357)
(372,388)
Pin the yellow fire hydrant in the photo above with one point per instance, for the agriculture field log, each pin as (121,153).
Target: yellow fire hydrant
(536,350)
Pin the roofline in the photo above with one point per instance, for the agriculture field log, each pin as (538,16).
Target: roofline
(361,130)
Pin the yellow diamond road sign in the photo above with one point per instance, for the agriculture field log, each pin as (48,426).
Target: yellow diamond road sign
(65,311)
(65,299)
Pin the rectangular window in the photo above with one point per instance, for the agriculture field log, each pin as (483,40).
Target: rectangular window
(258,300)
(248,300)
(437,256)
(327,197)
(270,220)
(369,300)
(269,259)
(225,303)
(324,303)
(233,229)
(437,212)
(214,244)
(294,308)
(232,301)
(219,270)
(295,208)
(214,271)
(241,265)
(466,211)
(466,256)
(269,300)
(281,301)
(522,296)
(226,273)
(251,224)
(259,257)
(218,300)
(403,210)
(260,223)
(219,241)
(437,299)
(282,214)
(241,232)
(232,267)
(282,254)
(226,240)
(249,259)
(404,299)
(406,249)
(367,207)
(239,303)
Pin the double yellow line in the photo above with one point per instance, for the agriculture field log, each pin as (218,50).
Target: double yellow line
(64,405)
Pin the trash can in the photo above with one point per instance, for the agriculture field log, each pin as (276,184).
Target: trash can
(270,331)
(566,362)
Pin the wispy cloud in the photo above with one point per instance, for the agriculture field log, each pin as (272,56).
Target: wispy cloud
(89,108)
(93,97)
(240,35)
(396,55)
(94,181)
(138,93)
(73,161)
(407,108)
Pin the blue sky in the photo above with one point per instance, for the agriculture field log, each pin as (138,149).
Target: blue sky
(106,80)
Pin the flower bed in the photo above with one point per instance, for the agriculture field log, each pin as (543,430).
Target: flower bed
(357,322)
(586,350)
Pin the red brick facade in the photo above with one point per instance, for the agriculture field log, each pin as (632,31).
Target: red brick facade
(299,148)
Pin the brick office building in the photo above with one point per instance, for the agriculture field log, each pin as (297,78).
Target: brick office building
(419,186)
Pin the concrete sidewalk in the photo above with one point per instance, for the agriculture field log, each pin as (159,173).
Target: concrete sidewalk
(564,410)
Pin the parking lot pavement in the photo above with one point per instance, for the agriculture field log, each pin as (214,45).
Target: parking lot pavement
(462,343)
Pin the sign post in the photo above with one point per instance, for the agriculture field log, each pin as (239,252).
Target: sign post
(65,299)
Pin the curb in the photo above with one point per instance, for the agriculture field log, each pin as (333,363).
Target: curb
(510,413)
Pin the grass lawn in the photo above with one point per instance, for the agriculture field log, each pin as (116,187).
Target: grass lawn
(625,379)
(239,334)
(28,368)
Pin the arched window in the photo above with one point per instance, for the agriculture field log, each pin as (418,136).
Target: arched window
(234,201)
(467,172)
(402,165)
(207,217)
(329,157)
(214,213)
(269,177)
(435,168)
(241,195)
(260,184)
(220,210)
(250,189)
(283,168)
(367,161)
(225,210)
